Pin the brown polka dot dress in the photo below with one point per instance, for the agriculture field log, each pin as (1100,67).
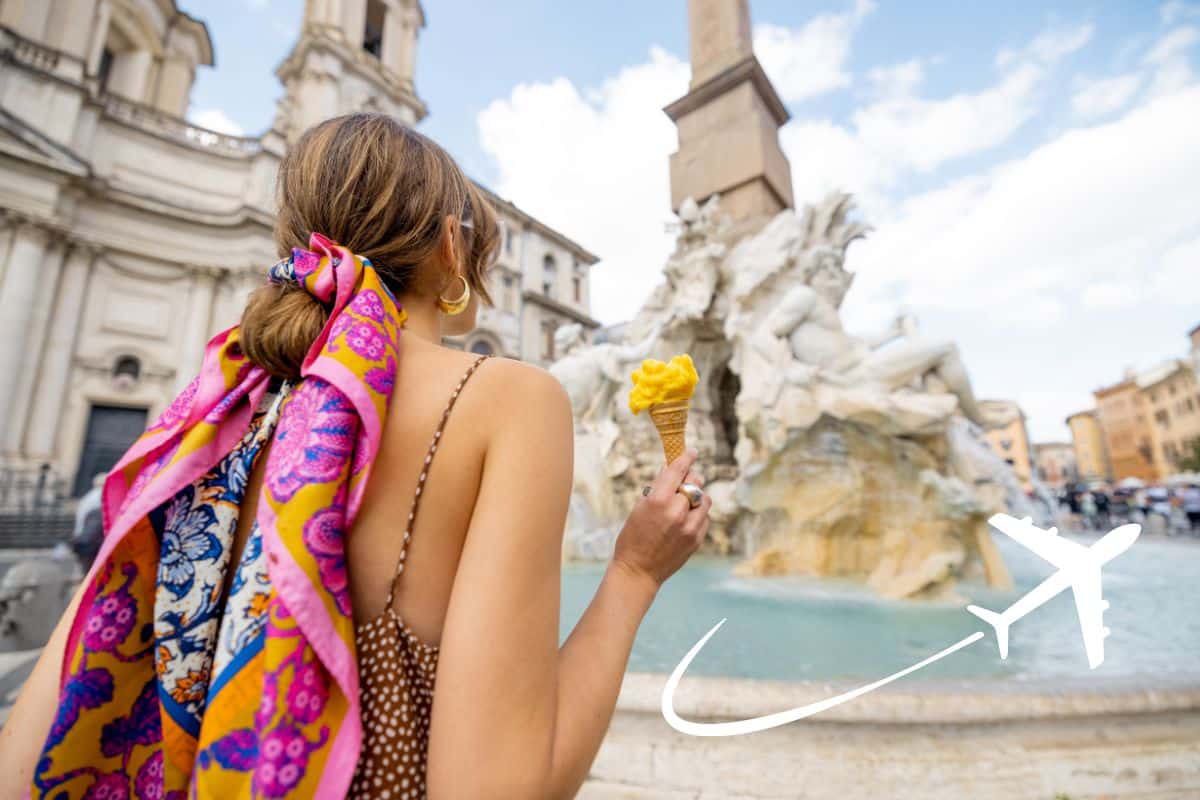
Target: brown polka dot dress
(396,672)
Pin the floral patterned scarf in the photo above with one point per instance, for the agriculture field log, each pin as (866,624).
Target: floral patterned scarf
(143,711)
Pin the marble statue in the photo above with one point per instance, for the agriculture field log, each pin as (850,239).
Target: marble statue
(829,454)
(593,375)
(807,318)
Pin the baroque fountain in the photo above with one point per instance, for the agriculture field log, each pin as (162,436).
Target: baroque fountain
(826,454)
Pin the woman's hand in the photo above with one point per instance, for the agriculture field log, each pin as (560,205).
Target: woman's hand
(662,532)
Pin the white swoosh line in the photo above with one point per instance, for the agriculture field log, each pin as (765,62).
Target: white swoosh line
(782,717)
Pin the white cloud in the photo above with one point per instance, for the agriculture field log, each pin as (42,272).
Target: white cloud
(901,133)
(216,120)
(1057,250)
(1103,96)
(898,79)
(1175,10)
(1108,294)
(810,60)
(594,165)
(1060,250)
(1170,62)
(1164,67)
(1052,45)
(1094,203)
(924,133)
(1049,46)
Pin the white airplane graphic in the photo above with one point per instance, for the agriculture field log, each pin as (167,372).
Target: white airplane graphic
(1078,569)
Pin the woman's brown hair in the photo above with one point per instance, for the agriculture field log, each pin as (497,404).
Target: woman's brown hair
(380,189)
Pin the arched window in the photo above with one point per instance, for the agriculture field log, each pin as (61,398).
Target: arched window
(128,367)
(549,275)
(483,347)
(373,29)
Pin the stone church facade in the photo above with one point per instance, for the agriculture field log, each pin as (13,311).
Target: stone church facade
(129,236)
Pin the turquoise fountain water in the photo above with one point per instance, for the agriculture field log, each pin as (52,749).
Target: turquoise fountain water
(809,629)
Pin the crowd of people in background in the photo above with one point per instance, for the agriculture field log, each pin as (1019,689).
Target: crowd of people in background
(1171,510)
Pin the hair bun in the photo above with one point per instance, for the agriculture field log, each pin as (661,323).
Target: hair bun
(279,325)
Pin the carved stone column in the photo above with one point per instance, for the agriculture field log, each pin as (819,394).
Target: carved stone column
(40,438)
(25,380)
(354,21)
(17,295)
(411,22)
(99,34)
(174,84)
(195,337)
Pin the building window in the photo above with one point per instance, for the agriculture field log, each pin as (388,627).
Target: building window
(483,347)
(127,368)
(549,275)
(548,343)
(105,71)
(373,30)
(577,282)
(508,239)
(509,295)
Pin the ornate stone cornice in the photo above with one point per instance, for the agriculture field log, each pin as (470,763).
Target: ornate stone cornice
(317,38)
(103,366)
(70,240)
(562,309)
(748,69)
(19,220)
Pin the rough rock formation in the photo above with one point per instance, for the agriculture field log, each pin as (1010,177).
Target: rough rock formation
(825,453)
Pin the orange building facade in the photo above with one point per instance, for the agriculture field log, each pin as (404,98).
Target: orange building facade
(1123,415)
(1172,402)
(1009,437)
(1087,440)
(1056,463)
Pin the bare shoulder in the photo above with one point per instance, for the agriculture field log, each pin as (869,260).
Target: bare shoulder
(520,393)
(524,423)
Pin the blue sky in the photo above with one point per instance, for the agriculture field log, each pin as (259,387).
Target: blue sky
(1028,166)
(526,41)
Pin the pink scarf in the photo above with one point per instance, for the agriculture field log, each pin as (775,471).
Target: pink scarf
(287,723)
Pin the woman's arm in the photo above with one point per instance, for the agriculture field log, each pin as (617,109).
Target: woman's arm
(514,716)
(29,720)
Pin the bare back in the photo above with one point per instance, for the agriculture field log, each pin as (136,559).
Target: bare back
(426,376)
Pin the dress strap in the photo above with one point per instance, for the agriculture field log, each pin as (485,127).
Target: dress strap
(412,514)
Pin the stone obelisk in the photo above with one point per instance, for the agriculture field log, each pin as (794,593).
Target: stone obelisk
(729,121)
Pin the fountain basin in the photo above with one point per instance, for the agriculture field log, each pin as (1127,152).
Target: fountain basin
(1039,725)
(982,739)
(798,629)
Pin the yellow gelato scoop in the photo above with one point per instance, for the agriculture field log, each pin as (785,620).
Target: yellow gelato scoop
(665,390)
(657,382)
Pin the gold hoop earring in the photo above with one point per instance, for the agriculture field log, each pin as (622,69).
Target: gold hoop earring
(458,305)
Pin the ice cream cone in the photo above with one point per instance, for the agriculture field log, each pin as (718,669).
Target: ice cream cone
(670,419)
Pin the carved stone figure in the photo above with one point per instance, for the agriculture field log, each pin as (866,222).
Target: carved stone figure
(829,454)
(592,375)
(807,317)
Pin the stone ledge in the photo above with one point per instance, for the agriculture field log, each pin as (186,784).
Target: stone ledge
(929,702)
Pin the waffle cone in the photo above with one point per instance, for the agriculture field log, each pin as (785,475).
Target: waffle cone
(670,419)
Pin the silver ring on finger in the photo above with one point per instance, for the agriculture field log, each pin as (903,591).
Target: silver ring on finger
(693,493)
(646,491)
